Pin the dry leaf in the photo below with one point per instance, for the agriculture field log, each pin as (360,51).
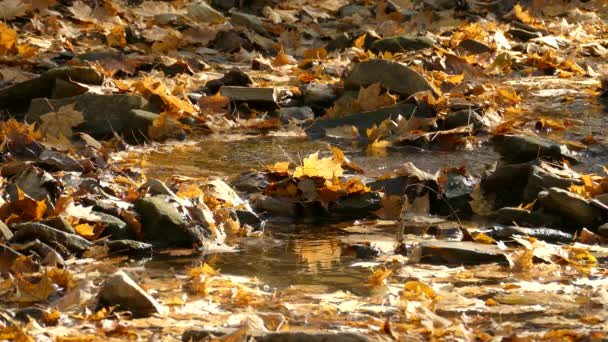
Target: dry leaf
(60,122)
(327,168)
(116,37)
(8,39)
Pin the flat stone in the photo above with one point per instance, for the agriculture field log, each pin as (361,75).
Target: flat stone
(474,46)
(521,149)
(201,12)
(571,206)
(457,253)
(295,114)
(129,247)
(526,218)
(402,44)
(58,161)
(503,233)
(319,96)
(123,292)
(248,94)
(393,76)
(234,77)
(275,206)
(103,114)
(164,225)
(61,241)
(603,230)
(18,96)
(356,205)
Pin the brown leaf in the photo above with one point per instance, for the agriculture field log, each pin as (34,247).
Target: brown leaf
(60,122)
(8,39)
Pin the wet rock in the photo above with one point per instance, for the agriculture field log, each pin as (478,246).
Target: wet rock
(224,5)
(249,95)
(446,231)
(310,337)
(128,247)
(526,218)
(393,76)
(456,193)
(31,312)
(248,217)
(462,118)
(123,292)
(521,149)
(319,96)
(295,114)
(59,223)
(474,47)
(234,77)
(364,251)
(356,205)
(197,335)
(231,41)
(58,161)
(361,121)
(511,185)
(18,96)
(571,206)
(502,233)
(401,44)
(164,225)
(115,228)
(35,183)
(457,253)
(201,12)
(602,198)
(603,230)
(275,206)
(5,232)
(251,182)
(48,256)
(248,20)
(103,114)
(63,242)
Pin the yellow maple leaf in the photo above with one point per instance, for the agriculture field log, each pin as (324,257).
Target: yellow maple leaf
(312,166)
(8,39)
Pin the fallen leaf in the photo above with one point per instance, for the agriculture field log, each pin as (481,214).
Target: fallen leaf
(312,166)
(60,122)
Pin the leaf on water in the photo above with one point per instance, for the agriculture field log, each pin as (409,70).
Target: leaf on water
(204,269)
(379,276)
(327,168)
(165,126)
(8,39)
(175,105)
(60,122)
(416,290)
(280,168)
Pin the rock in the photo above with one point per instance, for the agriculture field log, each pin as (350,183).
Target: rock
(446,231)
(462,118)
(248,20)
(164,225)
(275,206)
(63,242)
(35,183)
(59,223)
(571,206)
(201,12)
(521,149)
(474,47)
(352,9)
(364,251)
(393,76)
(18,96)
(234,77)
(296,114)
(356,205)
(310,337)
(128,247)
(251,182)
(103,114)
(319,96)
(603,230)
(361,121)
(523,34)
(123,292)
(48,255)
(502,233)
(602,198)
(115,228)
(246,94)
(31,312)
(7,259)
(58,161)
(401,44)
(512,185)
(231,41)
(456,193)
(526,218)
(5,232)
(224,5)
(457,253)
(248,217)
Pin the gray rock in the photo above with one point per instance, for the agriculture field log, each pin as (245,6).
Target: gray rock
(251,182)
(48,255)
(521,149)
(352,9)
(356,205)
(250,94)
(248,20)
(164,225)
(275,206)
(502,233)
(63,242)
(123,292)
(296,114)
(58,161)
(31,312)
(446,231)
(474,47)
(7,258)
(201,12)
(526,218)
(571,206)
(361,121)
(310,337)
(5,232)
(59,223)
(116,228)
(18,96)
(402,44)
(462,118)
(603,230)
(319,96)
(234,77)
(393,76)
(231,41)
(224,5)
(602,198)
(128,247)
(457,253)
(103,114)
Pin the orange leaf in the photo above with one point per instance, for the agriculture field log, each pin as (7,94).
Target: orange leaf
(8,39)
